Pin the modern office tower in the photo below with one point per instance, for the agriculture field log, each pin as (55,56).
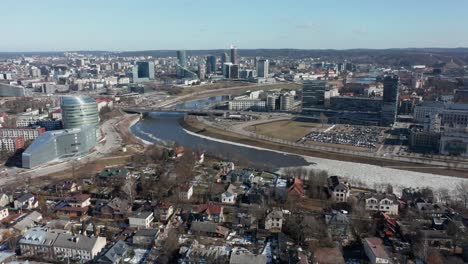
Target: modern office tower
(227,69)
(201,71)
(78,111)
(117,66)
(234,59)
(224,58)
(81,133)
(246,74)
(59,144)
(211,64)
(143,71)
(271,102)
(182,58)
(234,71)
(313,95)
(286,102)
(389,100)
(262,68)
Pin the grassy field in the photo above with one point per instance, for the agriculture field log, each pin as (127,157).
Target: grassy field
(284,129)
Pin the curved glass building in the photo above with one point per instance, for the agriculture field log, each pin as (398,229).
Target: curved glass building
(78,111)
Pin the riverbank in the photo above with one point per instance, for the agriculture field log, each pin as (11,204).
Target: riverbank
(192,124)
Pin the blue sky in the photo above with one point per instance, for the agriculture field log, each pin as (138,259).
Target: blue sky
(117,25)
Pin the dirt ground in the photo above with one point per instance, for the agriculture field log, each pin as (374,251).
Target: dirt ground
(285,129)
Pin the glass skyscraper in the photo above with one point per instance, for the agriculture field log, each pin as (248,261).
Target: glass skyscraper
(143,71)
(211,64)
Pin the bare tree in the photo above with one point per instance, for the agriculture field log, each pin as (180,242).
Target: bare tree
(462,191)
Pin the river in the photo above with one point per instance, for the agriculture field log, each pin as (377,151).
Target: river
(165,127)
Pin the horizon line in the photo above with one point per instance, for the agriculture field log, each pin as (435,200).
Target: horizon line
(169,50)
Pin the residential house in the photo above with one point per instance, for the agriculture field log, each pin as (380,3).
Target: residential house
(75,206)
(338,189)
(243,256)
(116,209)
(114,173)
(230,195)
(274,220)
(431,210)
(185,192)
(78,248)
(163,212)
(375,251)
(28,221)
(145,237)
(240,176)
(141,219)
(5,200)
(115,254)
(211,212)
(209,229)
(338,225)
(26,201)
(254,196)
(228,198)
(296,189)
(3,213)
(225,167)
(246,221)
(379,202)
(67,187)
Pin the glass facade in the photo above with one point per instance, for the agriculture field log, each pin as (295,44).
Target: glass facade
(78,111)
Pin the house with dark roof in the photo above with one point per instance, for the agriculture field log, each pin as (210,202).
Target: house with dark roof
(145,237)
(115,254)
(112,173)
(338,188)
(240,176)
(208,229)
(26,201)
(115,209)
(338,225)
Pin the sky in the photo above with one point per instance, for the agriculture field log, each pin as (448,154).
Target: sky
(130,25)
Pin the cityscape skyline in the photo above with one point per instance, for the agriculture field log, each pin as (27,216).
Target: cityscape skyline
(125,26)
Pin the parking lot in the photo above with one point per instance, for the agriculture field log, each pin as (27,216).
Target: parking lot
(357,136)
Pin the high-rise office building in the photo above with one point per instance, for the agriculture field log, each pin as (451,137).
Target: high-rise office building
(227,70)
(143,71)
(211,64)
(389,100)
(201,71)
(182,58)
(78,111)
(234,55)
(263,68)
(224,58)
(313,95)
(234,71)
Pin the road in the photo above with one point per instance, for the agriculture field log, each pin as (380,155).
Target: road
(112,142)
